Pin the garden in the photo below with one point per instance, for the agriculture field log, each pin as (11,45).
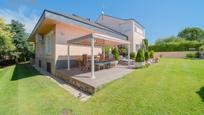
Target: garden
(173,86)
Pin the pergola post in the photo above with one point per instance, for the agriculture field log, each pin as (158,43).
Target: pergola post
(92,57)
(128,55)
(68,56)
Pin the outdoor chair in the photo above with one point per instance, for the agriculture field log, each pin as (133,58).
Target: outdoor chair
(85,65)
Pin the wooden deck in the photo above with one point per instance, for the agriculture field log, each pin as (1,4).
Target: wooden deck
(84,81)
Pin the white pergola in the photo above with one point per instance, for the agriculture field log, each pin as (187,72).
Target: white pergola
(95,39)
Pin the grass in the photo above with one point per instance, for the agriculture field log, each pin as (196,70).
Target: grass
(173,86)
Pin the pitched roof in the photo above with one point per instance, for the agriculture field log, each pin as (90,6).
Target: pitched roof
(78,21)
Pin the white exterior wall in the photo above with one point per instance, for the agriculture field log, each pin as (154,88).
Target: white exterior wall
(110,22)
(137,36)
(65,33)
(126,27)
(41,55)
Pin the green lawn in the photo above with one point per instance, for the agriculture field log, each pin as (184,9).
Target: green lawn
(173,86)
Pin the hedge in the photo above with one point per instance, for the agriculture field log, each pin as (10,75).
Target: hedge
(183,46)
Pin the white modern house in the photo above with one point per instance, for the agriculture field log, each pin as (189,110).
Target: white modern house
(62,41)
(53,30)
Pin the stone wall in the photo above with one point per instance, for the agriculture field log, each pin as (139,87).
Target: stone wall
(76,83)
(178,54)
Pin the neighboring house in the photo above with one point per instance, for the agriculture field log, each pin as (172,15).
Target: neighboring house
(53,30)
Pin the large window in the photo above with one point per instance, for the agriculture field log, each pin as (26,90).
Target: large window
(139,29)
(48,43)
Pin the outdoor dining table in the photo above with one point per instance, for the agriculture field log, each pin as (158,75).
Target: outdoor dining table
(102,64)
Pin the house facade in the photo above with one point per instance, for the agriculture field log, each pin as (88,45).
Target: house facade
(53,30)
(129,27)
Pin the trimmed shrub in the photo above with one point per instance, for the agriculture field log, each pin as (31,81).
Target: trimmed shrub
(190,55)
(151,54)
(201,48)
(115,53)
(140,56)
(146,55)
(132,55)
(198,54)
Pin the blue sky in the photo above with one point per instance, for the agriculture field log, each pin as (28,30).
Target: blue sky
(161,18)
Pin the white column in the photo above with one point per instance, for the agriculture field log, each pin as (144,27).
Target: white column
(92,58)
(68,56)
(128,55)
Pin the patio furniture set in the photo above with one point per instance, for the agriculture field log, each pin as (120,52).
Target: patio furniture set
(99,63)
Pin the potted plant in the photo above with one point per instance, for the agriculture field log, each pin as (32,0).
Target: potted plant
(157,59)
(147,60)
(132,55)
(140,59)
(115,53)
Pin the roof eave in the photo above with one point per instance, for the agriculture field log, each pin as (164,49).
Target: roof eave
(54,16)
(122,19)
(39,22)
(66,19)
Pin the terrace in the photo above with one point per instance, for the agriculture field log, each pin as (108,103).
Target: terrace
(83,81)
(90,81)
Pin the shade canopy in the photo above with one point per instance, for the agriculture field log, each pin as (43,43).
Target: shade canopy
(95,39)
(100,40)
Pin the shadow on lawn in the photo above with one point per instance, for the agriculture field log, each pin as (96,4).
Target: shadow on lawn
(201,93)
(24,70)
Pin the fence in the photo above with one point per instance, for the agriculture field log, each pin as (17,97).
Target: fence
(178,54)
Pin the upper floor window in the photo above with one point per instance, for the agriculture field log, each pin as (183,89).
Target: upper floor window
(48,43)
(139,29)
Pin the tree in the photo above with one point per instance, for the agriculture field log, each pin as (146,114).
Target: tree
(140,56)
(115,53)
(146,44)
(151,54)
(6,45)
(201,48)
(20,39)
(146,55)
(124,51)
(193,33)
(106,49)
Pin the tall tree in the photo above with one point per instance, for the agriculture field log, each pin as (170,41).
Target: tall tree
(20,38)
(146,43)
(193,33)
(6,45)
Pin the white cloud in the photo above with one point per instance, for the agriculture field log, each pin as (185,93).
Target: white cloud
(28,20)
